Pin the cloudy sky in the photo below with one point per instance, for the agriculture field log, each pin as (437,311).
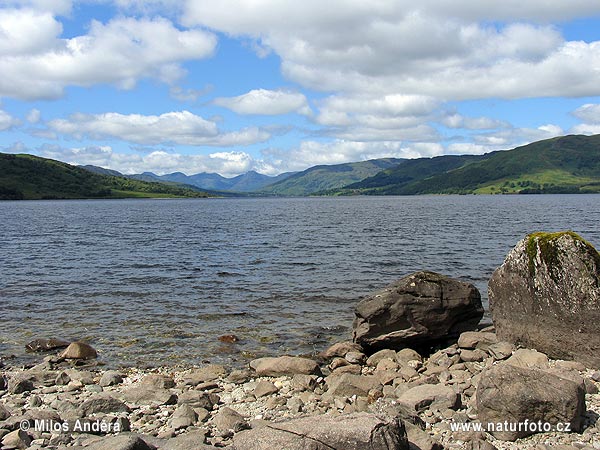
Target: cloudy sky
(280,85)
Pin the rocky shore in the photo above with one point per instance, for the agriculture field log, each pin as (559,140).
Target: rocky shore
(419,373)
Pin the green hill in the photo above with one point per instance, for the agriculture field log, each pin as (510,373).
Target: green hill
(568,164)
(320,178)
(26,177)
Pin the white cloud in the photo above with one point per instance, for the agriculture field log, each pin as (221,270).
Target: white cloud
(455,120)
(588,113)
(62,7)
(36,63)
(451,51)
(158,161)
(267,102)
(34,116)
(311,153)
(182,127)
(7,121)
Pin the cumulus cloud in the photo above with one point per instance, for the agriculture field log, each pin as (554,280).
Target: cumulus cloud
(452,52)
(182,127)
(588,113)
(34,116)
(36,63)
(455,120)
(7,121)
(266,102)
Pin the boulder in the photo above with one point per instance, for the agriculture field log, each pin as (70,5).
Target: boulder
(102,404)
(521,396)
(284,365)
(418,311)
(340,349)
(110,378)
(16,440)
(546,295)
(228,419)
(358,431)
(148,396)
(79,350)
(158,381)
(123,441)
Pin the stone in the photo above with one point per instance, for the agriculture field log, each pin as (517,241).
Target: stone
(79,350)
(596,376)
(198,399)
(301,382)
(408,354)
(472,355)
(284,365)
(418,311)
(184,416)
(420,440)
(264,388)
(4,412)
(340,349)
(546,295)
(376,357)
(123,441)
(110,378)
(476,339)
(357,431)
(18,385)
(191,440)
(206,373)
(17,439)
(528,358)
(426,396)
(348,385)
(158,381)
(228,419)
(501,350)
(515,394)
(147,396)
(46,345)
(102,404)
(239,376)
(355,357)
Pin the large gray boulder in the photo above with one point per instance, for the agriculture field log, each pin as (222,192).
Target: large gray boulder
(546,295)
(358,431)
(417,311)
(523,397)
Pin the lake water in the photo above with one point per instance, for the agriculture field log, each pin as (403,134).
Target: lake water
(153,282)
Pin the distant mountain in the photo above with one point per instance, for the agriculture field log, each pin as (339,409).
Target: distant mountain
(102,170)
(568,164)
(324,177)
(25,177)
(247,182)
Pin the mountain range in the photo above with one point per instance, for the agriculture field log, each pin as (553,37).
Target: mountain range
(566,164)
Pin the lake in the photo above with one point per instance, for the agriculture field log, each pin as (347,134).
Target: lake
(156,282)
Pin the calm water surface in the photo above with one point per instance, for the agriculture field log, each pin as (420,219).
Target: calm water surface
(152,282)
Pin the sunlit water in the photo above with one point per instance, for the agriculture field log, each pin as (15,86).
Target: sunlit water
(152,282)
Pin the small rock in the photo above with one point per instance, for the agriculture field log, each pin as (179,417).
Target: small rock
(158,381)
(422,397)
(528,358)
(596,376)
(340,349)
(102,404)
(239,376)
(476,339)
(110,378)
(79,350)
(408,354)
(45,345)
(301,382)
(355,357)
(376,357)
(19,385)
(145,396)
(228,419)
(184,416)
(123,441)
(209,372)
(17,439)
(264,388)
(472,355)
(501,350)
(284,365)
(348,385)
(229,338)
(198,399)
(4,412)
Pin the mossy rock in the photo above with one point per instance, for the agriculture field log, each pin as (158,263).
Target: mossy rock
(546,245)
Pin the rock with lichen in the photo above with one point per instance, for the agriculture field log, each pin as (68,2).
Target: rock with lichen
(546,295)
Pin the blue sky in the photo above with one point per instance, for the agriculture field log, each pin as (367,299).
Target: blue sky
(280,85)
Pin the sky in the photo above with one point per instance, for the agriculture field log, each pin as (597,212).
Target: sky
(281,85)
